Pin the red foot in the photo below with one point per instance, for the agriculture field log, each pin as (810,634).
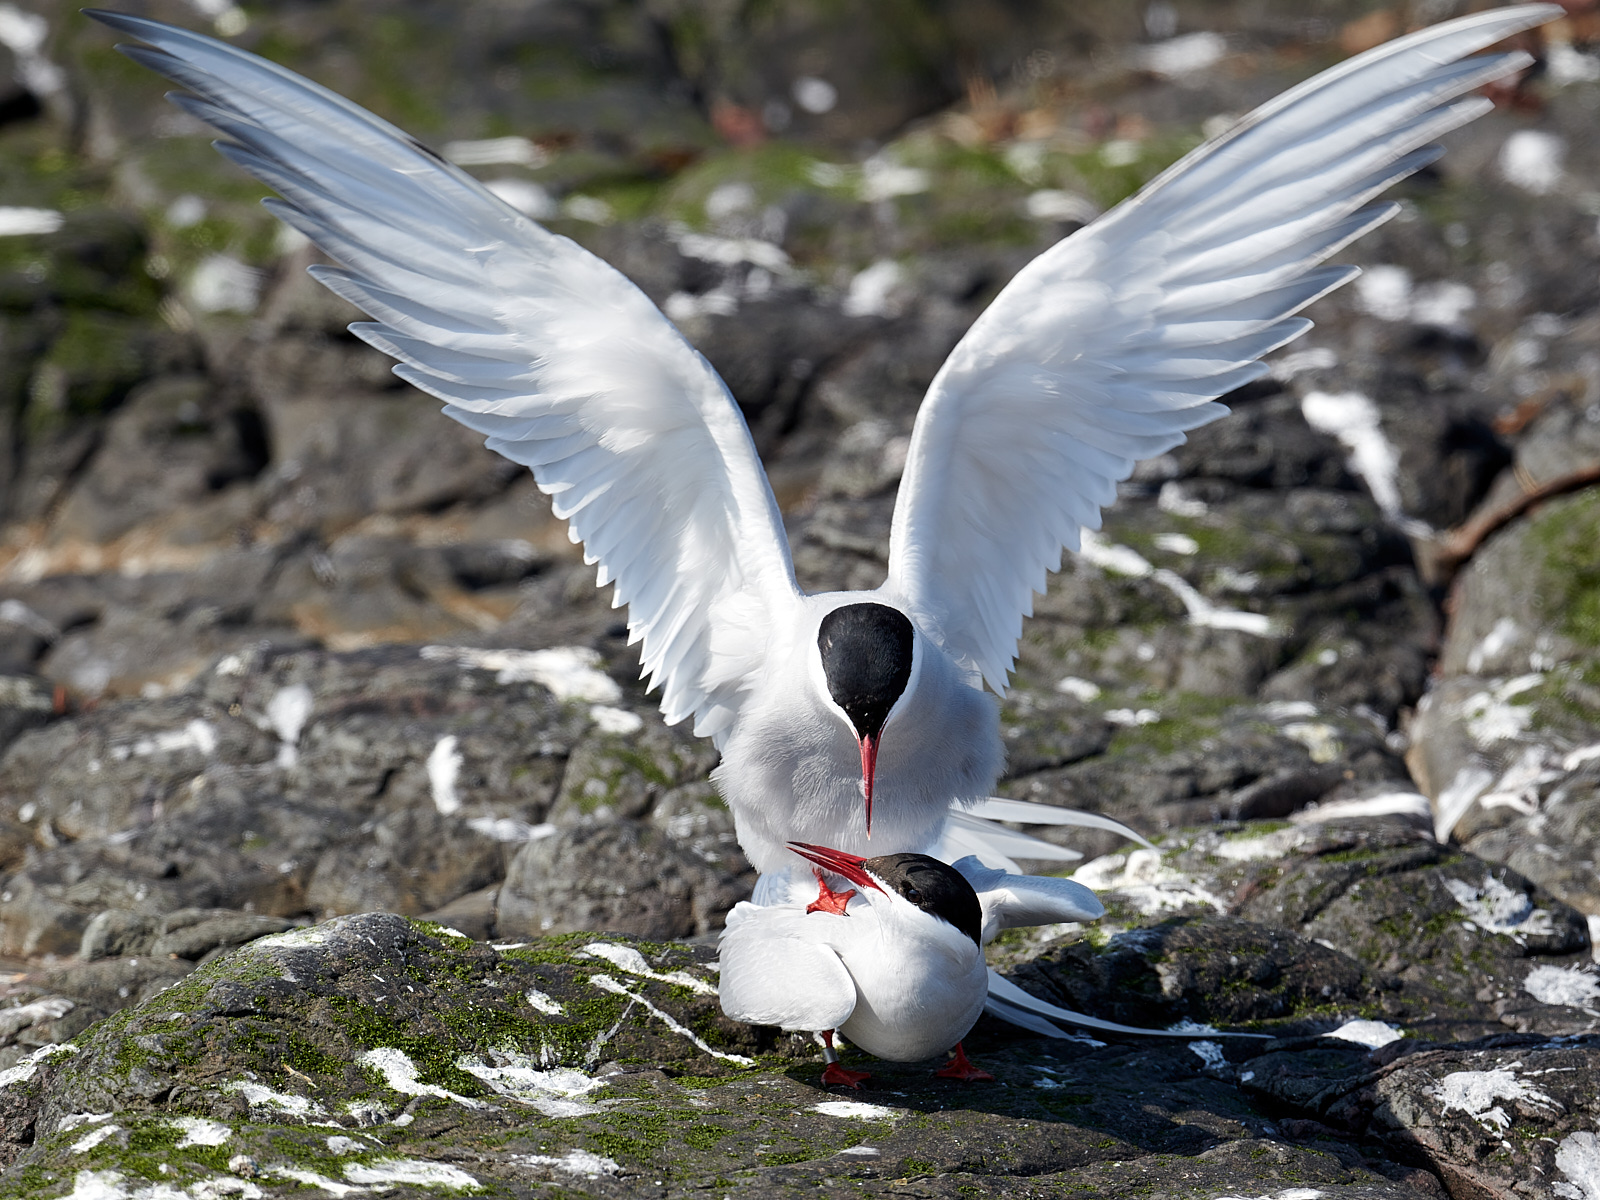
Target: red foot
(829,901)
(834,1075)
(960,1067)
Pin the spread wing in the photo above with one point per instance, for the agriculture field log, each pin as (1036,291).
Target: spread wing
(1013,901)
(770,977)
(565,365)
(1109,346)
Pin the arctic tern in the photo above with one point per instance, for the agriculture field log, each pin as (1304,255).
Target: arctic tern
(895,964)
(856,720)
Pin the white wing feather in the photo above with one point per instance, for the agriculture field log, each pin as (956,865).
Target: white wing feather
(1108,347)
(1011,901)
(1006,999)
(565,365)
(772,977)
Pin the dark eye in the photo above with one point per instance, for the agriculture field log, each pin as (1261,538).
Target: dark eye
(912,894)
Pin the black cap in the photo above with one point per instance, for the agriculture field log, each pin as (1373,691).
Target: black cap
(866,659)
(935,887)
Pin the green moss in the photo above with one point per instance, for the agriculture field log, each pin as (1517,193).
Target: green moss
(97,357)
(772,170)
(1567,537)
(703,1136)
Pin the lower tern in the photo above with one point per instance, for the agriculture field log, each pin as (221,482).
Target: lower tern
(895,964)
(857,720)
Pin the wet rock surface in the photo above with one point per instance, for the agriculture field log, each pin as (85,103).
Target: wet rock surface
(279,644)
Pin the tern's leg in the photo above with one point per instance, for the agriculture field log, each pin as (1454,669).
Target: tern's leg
(960,1067)
(828,900)
(835,1075)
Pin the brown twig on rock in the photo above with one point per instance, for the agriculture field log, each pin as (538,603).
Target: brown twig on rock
(1439,558)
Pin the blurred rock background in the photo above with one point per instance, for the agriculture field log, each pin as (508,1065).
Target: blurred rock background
(278,642)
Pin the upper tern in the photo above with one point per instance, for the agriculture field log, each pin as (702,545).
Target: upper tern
(845,714)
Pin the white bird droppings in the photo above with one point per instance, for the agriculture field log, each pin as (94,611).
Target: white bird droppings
(1496,908)
(1177,543)
(1078,689)
(1389,804)
(1366,1033)
(1183,55)
(1490,715)
(1578,1158)
(287,713)
(570,672)
(1252,849)
(573,1162)
(94,1137)
(884,179)
(1132,717)
(608,984)
(1353,419)
(497,152)
(856,1110)
(20,222)
(197,1131)
(509,829)
(874,292)
(1578,757)
(626,958)
(400,1073)
(1320,740)
(196,735)
(221,283)
(546,1004)
(816,96)
(29,1066)
(410,1170)
(1569,986)
(555,1093)
(259,1096)
(1384,290)
(1053,204)
(312,1179)
(527,197)
(1476,1092)
(1492,645)
(615,720)
(1532,159)
(444,764)
(1148,884)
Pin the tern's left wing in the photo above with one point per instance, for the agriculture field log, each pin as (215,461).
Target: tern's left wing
(1013,901)
(771,977)
(532,340)
(1106,348)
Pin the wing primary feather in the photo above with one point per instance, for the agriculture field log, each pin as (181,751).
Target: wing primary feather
(1117,341)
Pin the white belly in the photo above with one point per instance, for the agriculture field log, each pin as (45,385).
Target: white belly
(915,1014)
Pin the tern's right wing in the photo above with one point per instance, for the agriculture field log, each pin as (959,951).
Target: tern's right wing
(1015,901)
(530,339)
(1112,344)
(770,977)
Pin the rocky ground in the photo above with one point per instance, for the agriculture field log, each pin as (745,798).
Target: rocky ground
(279,644)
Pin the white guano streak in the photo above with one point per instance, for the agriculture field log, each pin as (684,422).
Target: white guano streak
(607,984)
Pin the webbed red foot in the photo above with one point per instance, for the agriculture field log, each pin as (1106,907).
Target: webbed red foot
(828,900)
(835,1075)
(960,1067)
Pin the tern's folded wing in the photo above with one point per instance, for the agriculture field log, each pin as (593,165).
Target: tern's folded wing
(794,983)
(1109,346)
(533,341)
(1016,901)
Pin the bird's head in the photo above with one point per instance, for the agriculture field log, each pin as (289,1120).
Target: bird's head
(868,659)
(913,886)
